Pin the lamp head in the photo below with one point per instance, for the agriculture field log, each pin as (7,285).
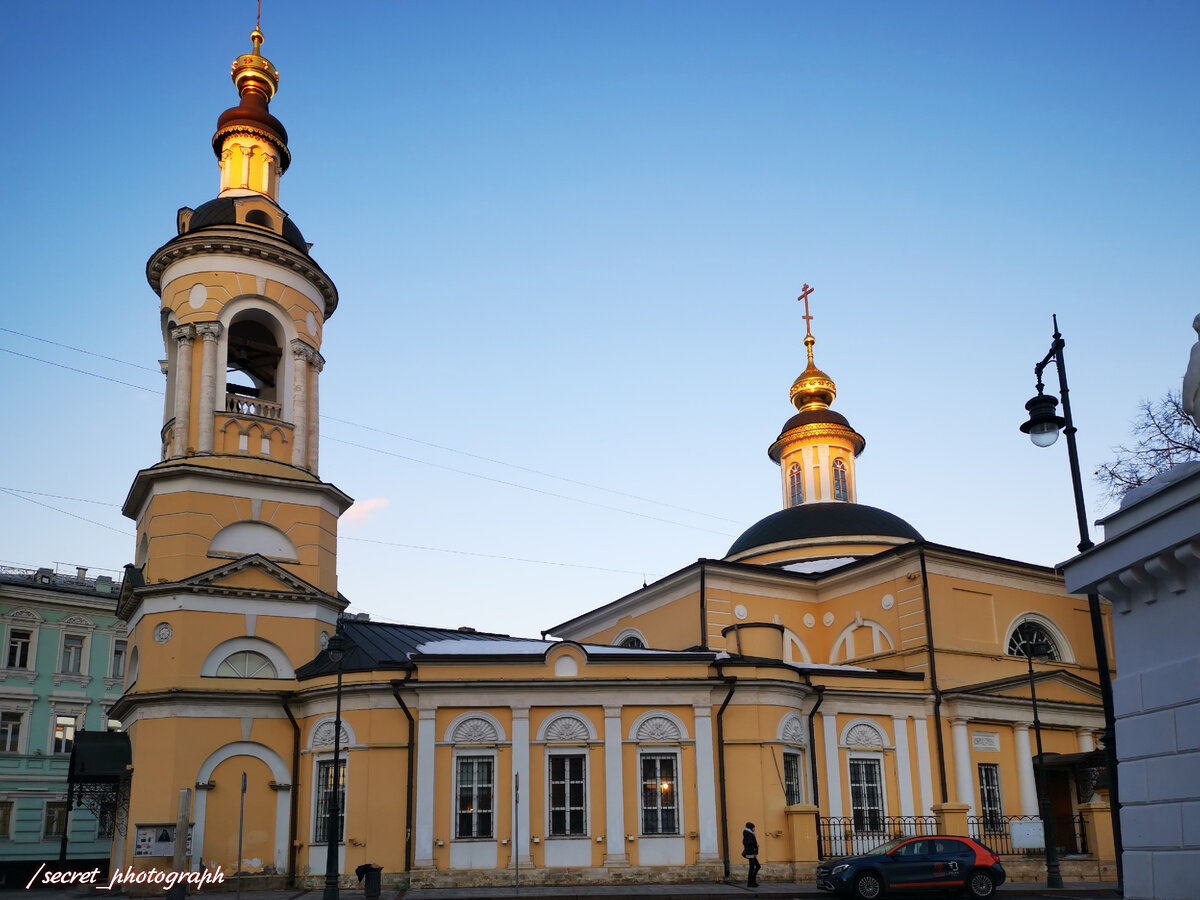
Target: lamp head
(1038,649)
(1044,424)
(336,648)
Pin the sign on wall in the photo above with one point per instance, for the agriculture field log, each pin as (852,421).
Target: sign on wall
(985,740)
(158,840)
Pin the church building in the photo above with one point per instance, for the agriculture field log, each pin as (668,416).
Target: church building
(832,676)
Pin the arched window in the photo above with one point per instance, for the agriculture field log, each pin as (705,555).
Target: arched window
(795,485)
(255,354)
(840,490)
(630,639)
(1031,632)
(246,664)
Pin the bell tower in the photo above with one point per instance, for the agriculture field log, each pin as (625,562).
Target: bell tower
(816,448)
(243,311)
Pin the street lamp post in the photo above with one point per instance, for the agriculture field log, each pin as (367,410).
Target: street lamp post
(1043,427)
(336,650)
(1041,650)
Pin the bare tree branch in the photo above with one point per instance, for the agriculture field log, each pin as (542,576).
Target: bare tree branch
(1163,436)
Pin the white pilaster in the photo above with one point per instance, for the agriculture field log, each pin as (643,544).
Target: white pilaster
(833,765)
(314,411)
(826,474)
(1026,783)
(924,770)
(614,794)
(520,751)
(423,820)
(904,775)
(1087,740)
(964,784)
(302,353)
(210,332)
(706,781)
(183,336)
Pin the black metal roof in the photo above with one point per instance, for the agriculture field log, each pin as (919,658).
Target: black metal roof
(222,211)
(379,645)
(818,520)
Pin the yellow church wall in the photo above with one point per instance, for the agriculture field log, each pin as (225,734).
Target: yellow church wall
(224,287)
(672,626)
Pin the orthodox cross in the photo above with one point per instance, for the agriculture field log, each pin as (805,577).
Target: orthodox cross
(807,318)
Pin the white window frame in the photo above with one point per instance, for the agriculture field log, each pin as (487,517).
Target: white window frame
(46,817)
(1061,645)
(661,751)
(553,753)
(877,759)
(796,753)
(30,655)
(75,729)
(627,633)
(317,816)
(82,667)
(22,731)
(113,675)
(997,809)
(474,752)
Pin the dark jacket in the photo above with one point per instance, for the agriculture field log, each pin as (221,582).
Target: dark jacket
(749,843)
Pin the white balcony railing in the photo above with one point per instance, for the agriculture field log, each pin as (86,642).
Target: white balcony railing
(252,406)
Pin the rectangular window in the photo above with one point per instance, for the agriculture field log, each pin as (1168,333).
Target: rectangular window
(6,819)
(989,796)
(10,732)
(568,804)
(792,785)
(118,659)
(56,818)
(64,734)
(72,655)
(660,794)
(18,649)
(325,795)
(473,802)
(866,795)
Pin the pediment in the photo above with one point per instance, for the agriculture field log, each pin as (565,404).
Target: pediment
(1059,687)
(251,574)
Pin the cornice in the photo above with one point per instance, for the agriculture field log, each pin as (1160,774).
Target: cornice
(234,239)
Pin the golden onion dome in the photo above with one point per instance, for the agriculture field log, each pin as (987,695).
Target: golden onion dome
(253,71)
(813,389)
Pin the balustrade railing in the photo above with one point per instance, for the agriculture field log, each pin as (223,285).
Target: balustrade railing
(844,837)
(252,406)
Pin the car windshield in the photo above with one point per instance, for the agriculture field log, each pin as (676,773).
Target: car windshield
(886,848)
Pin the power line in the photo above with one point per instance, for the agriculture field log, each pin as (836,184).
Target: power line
(80,371)
(524,487)
(540,562)
(415,459)
(124,362)
(65,513)
(13,490)
(501,462)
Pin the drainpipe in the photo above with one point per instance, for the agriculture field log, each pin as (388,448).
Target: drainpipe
(812,741)
(408,801)
(937,694)
(295,800)
(703,611)
(730,680)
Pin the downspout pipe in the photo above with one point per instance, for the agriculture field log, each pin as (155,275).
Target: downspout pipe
(294,811)
(730,680)
(408,801)
(812,741)
(703,609)
(933,681)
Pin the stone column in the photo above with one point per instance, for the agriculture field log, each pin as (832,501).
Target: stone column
(301,353)
(314,411)
(904,775)
(423,820)
(210,332)
(1026,782)
(706,790)
(924,769)
(833,765)
(1087,740)
(614,789)
(964,784)
(183,336)
(520,755)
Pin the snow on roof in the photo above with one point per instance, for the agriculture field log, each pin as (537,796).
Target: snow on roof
(484,647)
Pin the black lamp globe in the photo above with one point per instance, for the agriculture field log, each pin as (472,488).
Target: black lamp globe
(335,649)
(1044,423)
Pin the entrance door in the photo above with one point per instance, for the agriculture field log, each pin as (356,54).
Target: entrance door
(1058,790)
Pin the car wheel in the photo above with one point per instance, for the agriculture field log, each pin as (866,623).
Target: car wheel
(868,886)
(980,884)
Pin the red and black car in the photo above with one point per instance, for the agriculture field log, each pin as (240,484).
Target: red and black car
(932,863)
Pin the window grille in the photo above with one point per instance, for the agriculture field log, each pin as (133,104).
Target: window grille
(473,804)
(325,792)
(660,794)
(568,795)
(866,794)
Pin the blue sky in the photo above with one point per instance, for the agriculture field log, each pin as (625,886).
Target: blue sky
(569,236)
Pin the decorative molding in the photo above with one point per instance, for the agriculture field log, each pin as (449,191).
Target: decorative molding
(323,735)
(658,729)
(792,730)
(567,729)
(475,730)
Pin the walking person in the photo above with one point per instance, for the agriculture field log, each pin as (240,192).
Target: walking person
(750,851)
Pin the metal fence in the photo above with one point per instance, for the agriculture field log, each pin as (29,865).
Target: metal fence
(843,837)
(1081,843)
(996,833)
